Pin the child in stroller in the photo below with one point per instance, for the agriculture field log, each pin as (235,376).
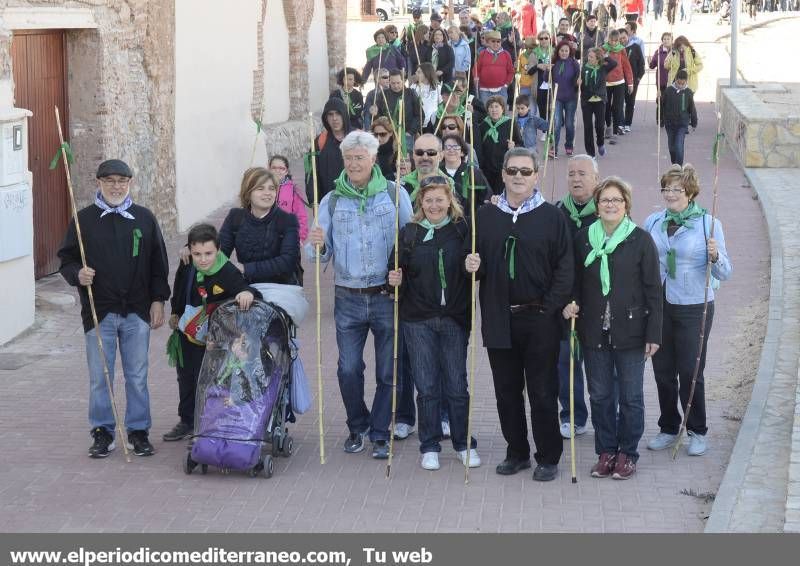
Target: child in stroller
(724,13)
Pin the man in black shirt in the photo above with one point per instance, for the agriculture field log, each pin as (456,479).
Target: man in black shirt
(525,262)
(127,270)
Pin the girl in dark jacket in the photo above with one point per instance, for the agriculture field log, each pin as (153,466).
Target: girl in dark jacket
(442,56)
(435,316)
(619,297)
(350,81)
(593,98)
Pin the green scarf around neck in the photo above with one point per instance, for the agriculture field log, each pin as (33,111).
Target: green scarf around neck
(430,226)
(602,248)
(376,49)
(616,49)
(219,261)
(591,71)
(575,215)
(493,132)
(682,218)
(543,54)
(376,184)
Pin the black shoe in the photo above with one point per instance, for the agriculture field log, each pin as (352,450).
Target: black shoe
(511,466)
(179,432)
(103,443)
(139,443)
(545,472)
(380,450)
(354,442)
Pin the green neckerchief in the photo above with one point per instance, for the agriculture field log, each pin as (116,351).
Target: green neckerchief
(349,101)
(543,54)
(591,71)
(219,261)
(495,54)
(376,49)
(458,111)
(174,350)
(561,67)
(412,179)
(683,102)
(492,131)
(376,184)
(616,49)
(430,226)
(505,26)
(578,216)
(511,256)
(683,218)
(602,248)
(442,278)
(466,182)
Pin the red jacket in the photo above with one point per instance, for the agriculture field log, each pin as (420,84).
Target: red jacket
(633,7)
(495,74)
(622,70)
(527,26)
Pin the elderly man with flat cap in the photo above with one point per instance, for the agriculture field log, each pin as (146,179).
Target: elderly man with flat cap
(126,268)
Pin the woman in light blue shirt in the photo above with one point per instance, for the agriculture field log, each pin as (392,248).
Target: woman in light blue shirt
(682,233)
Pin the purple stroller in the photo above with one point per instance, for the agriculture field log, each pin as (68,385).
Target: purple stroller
(243,391)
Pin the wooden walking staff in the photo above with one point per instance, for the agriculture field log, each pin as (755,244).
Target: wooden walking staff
(549,133)
(572,354)
(514,108)
(473,288)
(317,291)
(89,289)
(395,339)
(703,320)
(658,115)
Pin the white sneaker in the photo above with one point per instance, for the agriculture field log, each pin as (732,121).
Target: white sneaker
(697,444)
(543,136)
(445,429)
(662,441)
(430,461)
(474,459)
(402,431)
(579,430)
(627,129)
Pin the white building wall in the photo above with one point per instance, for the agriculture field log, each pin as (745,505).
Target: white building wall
(276,64)
(318,70)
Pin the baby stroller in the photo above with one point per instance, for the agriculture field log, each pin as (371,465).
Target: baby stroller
(243,391)
(724,13)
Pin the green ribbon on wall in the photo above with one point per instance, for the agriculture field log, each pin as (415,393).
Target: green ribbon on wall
(66,150)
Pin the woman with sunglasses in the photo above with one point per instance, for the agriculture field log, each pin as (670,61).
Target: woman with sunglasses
(541,61)
(618,295)
(682,233)
(457,167)
(435,316)
(387,149)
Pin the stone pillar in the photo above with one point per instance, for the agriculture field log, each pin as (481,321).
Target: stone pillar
(298,14)
(336,25)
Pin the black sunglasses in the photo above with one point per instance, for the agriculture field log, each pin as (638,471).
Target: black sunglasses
(450,127)
(524,171)
(428,152)
(434,180)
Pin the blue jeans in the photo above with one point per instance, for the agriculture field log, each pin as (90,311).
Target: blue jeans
(438,353)
(133,336)
(484,95)
(565,116)
(616,376)
(406,412)
(675,140)
(356,315)
(581,413)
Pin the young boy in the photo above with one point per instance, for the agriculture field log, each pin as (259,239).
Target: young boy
(529,121)
(679,114)
(198,290)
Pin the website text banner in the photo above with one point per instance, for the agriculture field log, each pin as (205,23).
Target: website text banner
(394,549)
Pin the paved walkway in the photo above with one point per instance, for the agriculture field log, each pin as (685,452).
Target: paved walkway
(48,483)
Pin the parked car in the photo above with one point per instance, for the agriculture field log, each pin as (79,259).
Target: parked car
(384,10)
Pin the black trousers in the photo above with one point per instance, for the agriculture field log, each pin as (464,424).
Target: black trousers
(630,103)
(187,378)
(615,105)
(673,366)
(593,121)
(530,362)
(543,102)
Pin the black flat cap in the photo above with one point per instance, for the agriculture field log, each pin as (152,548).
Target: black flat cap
(416,12)
(114,167)
(435,17)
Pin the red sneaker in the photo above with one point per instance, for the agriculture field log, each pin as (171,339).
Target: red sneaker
(624,468)
(604,466)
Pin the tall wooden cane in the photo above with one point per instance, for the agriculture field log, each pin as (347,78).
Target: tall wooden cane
(92,307)
(395,338)
(704,319)
(473,287)
(572,398)
(318,294)
(514,108)
(550,134)
(658,113)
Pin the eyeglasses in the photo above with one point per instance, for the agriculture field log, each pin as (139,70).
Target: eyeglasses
(544,37)
(672,191)
(385,77)
(428,152)
(615,201)
(381,134)
(434,180)
(356,158)
(111,182)
(451,147)
(450,127)
(524,171)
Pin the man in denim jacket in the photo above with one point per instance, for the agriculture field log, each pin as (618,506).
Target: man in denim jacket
(357,230)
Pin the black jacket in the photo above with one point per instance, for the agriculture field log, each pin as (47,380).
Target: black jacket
(223,285)
(635,296)
(544,263)
(412,110)
(491,153)
(328,156)
(462,181)
(421,291)
(445,62)
(636,59)
(596,86)
(678,108)
(356,108)
(127,280)
(268,248)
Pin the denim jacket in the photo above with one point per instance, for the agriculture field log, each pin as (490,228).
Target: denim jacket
(687,288)
(360,244)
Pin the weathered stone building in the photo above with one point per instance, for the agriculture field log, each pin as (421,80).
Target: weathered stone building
(174,87)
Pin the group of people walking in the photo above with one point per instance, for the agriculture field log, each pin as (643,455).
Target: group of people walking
(460,200)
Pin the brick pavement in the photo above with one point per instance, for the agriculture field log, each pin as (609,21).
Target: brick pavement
(50,485)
